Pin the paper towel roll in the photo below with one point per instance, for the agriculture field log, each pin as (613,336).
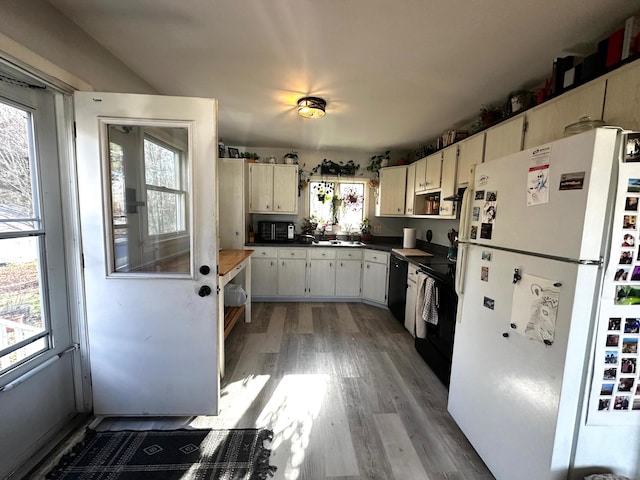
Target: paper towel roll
(409,240)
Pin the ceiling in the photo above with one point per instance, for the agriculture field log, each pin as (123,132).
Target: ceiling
(395,73)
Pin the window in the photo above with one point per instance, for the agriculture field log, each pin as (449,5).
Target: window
(337,203)
(24,325)
(166,198)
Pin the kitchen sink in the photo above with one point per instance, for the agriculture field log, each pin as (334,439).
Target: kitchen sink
(337,243)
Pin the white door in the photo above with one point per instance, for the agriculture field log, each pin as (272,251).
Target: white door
(146,170)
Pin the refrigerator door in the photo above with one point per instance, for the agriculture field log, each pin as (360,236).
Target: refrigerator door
(516,399)
(552,200)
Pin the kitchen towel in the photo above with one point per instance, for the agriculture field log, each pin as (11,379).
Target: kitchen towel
(420,328)
(409,239)
(430,310)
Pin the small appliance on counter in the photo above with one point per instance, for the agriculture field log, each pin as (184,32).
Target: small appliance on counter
(276,231)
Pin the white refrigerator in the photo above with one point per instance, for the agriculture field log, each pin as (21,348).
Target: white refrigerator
(544,379)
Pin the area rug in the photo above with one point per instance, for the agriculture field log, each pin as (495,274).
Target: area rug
(237,454)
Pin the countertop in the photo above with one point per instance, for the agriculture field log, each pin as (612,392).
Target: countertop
(228,259)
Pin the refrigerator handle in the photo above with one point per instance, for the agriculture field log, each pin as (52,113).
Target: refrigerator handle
(467,198)
(461,268)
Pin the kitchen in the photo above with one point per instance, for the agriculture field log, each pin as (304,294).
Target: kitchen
(110,75)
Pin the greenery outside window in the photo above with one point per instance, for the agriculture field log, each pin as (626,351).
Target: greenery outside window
(337,203)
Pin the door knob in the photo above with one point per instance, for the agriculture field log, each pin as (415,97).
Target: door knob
(205,270)
(204,290)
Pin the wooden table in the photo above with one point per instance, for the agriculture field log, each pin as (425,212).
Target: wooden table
(230,264)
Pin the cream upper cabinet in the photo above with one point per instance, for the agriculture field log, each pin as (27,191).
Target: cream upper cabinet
(623,97)
(504,139)
(470,152)
(285,189)
(546,122)
(273,188)
(420,175)
(428,172)
(434,171)
(448,183)
(392,191)
(260,188)
(411,192)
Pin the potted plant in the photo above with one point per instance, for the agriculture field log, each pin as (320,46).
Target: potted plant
(291,158)
(329,167)
(520,100)
(365,230)
(489,114)
(324,191)
(378,162)
(250,156)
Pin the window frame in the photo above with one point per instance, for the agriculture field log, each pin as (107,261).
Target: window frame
(337,181)
(181,194)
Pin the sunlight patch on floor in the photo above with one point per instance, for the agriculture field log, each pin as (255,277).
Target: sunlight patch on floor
(290,413)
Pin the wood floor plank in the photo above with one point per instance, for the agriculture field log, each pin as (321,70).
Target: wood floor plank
(335,435)
(305,318)
(398,447)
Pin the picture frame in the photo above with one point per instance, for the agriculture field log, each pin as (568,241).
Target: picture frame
(234,153)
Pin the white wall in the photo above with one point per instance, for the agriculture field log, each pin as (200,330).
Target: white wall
(36,25)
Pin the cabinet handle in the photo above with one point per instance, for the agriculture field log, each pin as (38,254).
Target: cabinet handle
(292,254)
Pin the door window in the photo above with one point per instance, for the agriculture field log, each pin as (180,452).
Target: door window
(149,171)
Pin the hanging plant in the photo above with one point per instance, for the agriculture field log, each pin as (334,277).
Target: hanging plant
(329,167)
(324,191)
(352,199)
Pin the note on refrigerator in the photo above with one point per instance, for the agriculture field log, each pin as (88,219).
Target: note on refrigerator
(534,308)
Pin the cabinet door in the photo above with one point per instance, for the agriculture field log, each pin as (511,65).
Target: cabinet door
(623,97)
(410,308)
(291,277)
(285,189)
(546,122)
(421,175)
(263,273)
(504,139)
(470,152)
(448,183)
(410,193)
(261,188)
(322,278)
(348,278)
(374,282)
(393,181)
(231,209)
(434,171)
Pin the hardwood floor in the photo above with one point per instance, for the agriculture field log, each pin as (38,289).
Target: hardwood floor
(345,392)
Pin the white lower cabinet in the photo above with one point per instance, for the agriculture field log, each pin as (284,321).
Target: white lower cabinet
(292,266)
(375,269)
(348,272)
(322,272)
(264,269)
(412,294)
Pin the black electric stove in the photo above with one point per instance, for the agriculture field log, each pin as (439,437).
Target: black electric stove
(437,347)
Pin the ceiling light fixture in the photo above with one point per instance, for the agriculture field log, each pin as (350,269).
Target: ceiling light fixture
(311,107)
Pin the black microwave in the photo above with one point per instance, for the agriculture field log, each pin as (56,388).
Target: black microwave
(276,231)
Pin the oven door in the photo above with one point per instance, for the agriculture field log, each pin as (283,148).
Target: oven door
(437,347)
